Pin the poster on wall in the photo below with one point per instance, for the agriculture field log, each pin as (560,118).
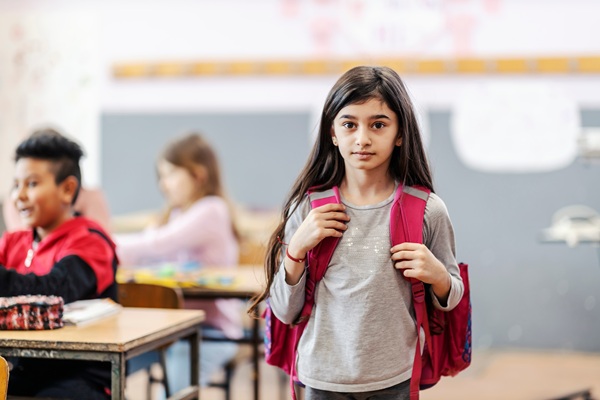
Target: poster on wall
(49,71)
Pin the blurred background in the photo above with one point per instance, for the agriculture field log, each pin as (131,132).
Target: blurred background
(508,94)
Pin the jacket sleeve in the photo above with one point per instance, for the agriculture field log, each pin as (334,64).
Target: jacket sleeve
(71,278)
(438,236)
(287,301)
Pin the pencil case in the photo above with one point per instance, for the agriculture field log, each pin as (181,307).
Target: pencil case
(31,312)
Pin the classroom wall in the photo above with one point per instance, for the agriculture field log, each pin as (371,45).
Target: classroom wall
(68,49)
(525,293)
(260,155)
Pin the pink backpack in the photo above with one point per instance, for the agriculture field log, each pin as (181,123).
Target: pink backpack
(447,349)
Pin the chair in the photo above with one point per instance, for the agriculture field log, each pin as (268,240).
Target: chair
(243,355)
(4,373)
(152,296)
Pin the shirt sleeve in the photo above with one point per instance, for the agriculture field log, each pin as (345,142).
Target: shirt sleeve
(286,300)
(96,252)
(438,236)
(197,225)
(71,278)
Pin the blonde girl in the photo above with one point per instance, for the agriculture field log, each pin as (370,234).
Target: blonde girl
(197,229)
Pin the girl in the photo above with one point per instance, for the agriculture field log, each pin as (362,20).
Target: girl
(360,340)
(196,229)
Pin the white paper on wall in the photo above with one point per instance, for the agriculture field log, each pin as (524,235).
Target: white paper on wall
(515,126)
(49,72)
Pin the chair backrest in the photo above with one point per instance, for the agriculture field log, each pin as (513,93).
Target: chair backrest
(4,373)
(149,295)
(252,252)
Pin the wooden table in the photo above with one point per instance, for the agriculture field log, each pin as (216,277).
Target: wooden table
(242,283)
(114,339)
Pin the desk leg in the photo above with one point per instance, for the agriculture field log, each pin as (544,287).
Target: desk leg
(255,357)
(118,376)
(195,360)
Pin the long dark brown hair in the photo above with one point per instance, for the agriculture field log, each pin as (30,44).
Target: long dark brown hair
(325,165)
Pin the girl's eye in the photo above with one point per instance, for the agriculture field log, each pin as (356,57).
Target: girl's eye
(348,125)
(31,184)
(378,125)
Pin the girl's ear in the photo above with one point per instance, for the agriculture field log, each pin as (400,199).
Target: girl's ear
(68,188)
(200,174)
(333,137)
(398,142)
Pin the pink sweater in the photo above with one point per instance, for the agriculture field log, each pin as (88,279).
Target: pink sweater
(201,234)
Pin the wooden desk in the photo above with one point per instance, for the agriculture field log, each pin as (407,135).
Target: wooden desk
(242,283)
(114,339)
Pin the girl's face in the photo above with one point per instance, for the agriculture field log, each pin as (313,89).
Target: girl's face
(177,184)
(366,135)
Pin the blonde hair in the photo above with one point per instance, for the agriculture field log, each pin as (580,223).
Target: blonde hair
(190,152)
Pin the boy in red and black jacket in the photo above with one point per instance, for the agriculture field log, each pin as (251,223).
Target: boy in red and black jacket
(63,254)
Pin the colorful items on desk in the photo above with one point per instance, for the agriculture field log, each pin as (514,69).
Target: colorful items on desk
(215,281)
(181,275)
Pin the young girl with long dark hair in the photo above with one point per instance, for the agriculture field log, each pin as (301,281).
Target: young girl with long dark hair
(360,339)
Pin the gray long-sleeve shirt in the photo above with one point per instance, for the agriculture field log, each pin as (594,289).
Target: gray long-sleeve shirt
(361,334)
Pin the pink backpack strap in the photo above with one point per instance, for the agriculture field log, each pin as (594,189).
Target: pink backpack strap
(318,260)
(406,225)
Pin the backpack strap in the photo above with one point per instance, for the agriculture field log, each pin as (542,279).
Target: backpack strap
(318,260)
(406,225)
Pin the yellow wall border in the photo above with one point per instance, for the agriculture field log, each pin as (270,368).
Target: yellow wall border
(459,66)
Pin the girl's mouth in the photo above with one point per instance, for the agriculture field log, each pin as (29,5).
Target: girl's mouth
(363,155)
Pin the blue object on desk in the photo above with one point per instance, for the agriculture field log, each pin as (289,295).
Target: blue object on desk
(190,266)
(226,280)
(215,280)
(203,281)
(168,270)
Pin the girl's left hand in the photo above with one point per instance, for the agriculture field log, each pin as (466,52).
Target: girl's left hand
(415,260)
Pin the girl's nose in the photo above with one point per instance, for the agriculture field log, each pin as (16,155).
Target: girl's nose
(362,137)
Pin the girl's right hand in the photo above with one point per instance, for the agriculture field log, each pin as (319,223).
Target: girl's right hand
(321,222)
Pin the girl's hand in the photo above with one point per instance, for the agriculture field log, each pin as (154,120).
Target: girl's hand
(417,261)
(325,221)
(321,222)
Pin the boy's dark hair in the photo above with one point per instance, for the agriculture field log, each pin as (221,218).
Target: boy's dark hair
(50,145)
